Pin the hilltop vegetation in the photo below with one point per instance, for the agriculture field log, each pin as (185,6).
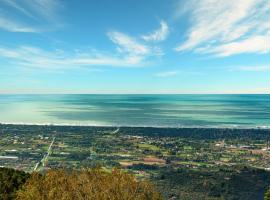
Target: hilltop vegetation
(10,181)
(220,183)
(86,184)
(267,195)
(72,184)
(239,183)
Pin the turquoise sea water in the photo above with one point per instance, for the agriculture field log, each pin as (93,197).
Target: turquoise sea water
(138,110)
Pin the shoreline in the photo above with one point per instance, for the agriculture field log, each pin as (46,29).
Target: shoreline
(139,126)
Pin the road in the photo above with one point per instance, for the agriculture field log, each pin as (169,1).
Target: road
(45,157)
(116,131)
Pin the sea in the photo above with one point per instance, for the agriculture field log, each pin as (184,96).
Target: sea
(218,111)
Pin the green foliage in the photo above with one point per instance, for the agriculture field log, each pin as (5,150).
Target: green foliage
(232,183)
(267,195)
(10,181)
(199,133)
(86,185)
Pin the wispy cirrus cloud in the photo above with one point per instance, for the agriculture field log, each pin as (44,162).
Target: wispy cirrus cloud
(254,44)
(13,26)
(129,53)
(254,68)
(46,9)
(128,44)
(226,28)
(29,15)
(32,57)
(158,35)
(16,5)
(166,74)
(134,50)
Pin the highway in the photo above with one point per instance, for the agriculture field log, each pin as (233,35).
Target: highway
(45,157)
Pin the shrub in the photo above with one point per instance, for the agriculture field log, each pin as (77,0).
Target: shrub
(267,195)
(90,184)
(10,181)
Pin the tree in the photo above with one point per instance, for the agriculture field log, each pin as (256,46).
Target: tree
(267,195)
(87,184)
(10,181)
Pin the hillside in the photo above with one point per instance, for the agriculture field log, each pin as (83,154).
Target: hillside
(71,184)
(209,184)
(10,181)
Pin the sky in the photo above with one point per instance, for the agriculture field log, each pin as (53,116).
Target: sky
(135,46)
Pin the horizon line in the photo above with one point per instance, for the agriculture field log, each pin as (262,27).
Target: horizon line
(210,93)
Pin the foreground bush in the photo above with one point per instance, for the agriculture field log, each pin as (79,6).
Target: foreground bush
(267,195)
(10,181)
(92,184)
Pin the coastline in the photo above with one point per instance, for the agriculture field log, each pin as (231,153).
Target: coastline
(138,126)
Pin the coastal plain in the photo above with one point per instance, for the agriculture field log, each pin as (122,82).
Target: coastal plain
(214,162)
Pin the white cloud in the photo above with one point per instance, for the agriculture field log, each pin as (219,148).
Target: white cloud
(167,74)
(46,9)
(128,44)
(13,26)
(254,44)
(37,14)
(256,68)
(31,57)
(14,4)
(129,53)
(158,35)
(134,51)
(227,27)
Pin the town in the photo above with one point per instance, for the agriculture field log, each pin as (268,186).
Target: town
(148,153)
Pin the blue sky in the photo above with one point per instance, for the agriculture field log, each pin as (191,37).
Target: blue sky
(135,46)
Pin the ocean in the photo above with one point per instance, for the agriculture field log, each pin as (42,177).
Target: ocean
(232,111)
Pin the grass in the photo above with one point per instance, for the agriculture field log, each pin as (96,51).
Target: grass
(149,146)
